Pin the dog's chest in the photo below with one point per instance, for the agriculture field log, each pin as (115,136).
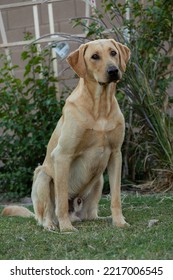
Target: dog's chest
(101,125)
(101,136)
(95,148)
(91,157)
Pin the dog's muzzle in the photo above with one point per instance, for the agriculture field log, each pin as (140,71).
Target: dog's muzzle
(113,74)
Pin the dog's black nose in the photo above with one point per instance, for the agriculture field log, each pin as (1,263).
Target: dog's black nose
(113,74)
(112,70)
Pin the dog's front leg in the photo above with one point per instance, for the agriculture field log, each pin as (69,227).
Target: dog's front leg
(114,172)
(62,164)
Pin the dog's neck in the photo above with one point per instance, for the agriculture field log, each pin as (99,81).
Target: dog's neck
(99,97)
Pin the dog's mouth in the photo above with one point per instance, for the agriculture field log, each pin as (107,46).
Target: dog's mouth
(110,80)
(102,84)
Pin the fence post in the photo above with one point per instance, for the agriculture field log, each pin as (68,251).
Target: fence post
(54,56)
(4,40)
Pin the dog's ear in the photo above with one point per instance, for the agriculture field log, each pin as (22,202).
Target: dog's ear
(124,54)
(77,62)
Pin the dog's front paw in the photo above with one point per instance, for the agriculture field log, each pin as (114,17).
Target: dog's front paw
(120,223)
(66,227)
(49,226)
(68,230)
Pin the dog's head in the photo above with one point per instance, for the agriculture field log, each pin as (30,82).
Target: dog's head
(103,61)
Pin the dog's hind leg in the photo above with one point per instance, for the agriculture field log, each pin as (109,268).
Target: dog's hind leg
(41,196)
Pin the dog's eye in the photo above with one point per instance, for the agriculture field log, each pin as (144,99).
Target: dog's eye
(113,53)
(95,56)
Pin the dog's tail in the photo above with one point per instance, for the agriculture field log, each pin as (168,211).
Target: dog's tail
(14,210)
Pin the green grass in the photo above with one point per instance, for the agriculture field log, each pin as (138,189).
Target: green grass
(22,238)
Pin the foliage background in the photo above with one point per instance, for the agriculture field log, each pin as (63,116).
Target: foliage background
(29,110)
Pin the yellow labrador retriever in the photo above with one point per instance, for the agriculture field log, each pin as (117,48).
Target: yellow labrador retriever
(86,141)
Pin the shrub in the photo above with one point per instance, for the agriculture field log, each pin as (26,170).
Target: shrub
(29,112)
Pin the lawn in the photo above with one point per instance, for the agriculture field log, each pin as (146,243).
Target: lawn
(22,238)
